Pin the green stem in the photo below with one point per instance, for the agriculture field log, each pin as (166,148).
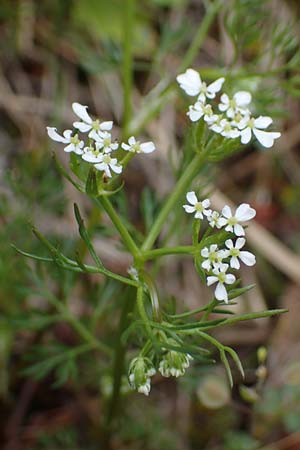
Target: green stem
(200,35)
(127,72)
(118,365)
(187,177)
(181,249)
(209,309)
(127,239)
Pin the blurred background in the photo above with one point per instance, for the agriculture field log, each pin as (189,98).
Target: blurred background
(54,52)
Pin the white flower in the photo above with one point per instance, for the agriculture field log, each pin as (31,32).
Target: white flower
(191,83)
(87,124)
(199,110)
(92,155)
(104,143)
(213,257)
(255,126)
(174,363)
(140,371)
(243,213)
(197,207)
(227,130)
(235,253)
(74,143)
(136,147)
(216,220)
(221,277)
(238,103)
(106,163)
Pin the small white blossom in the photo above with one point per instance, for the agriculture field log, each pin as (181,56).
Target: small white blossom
(227,130)
(191,83)
(174,364)
(88,124)
(197,207)
(237,104)
(235,253)
(216,220)
(255,126)
(243,213)
(106,163)
(221,277)
(140,372)
(104,143)
(213,255)
(137,147)
(74,143)
(199,110)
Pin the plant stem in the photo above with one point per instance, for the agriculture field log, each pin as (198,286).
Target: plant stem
(181,249)
(200,35)
(187,177)
(119,358)
(127,239)
(127,66)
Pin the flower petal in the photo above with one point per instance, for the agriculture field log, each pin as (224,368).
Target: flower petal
(190,82)
(216,85)
(262,122)
(131,140)
(81,112)
(234,263)
(116,168)
(246,135)
(81,126)
(229,279)
(247,258)
(239,230)
(266,138)
(206,203)
(52,133)
(148,147)
(189,208)
(206,264)
(211,280)
(125,146)
(229,243)
(90,157)
(221,293)
(240,242)
(245,212)
(191,198)
(242,98)
(69,148)
(106,126)
(226,211)
(205,252)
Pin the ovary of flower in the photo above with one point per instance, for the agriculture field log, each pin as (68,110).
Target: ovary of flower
(255,126)
(74,144)
(104,143)
(213,257)
(191,83)
(227,130)
(197,207)
(238,103)
(137,147)
(199,110)
(235,253)
(216,220)
(88,124)
(243,213)
(221,277)
(106,163)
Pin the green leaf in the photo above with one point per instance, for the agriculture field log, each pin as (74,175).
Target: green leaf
(236,359)
(227,367)
(91,186)
(85,237)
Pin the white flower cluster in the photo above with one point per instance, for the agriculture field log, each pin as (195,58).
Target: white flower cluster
(174,364)
(235,119)
(140,372)
(217,261)
(100,146)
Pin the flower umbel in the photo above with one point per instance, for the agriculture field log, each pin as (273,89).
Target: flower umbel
(174,364)
(140,372)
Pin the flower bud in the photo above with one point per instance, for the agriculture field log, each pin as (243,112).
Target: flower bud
(140,371)
(262,353)
(174,363)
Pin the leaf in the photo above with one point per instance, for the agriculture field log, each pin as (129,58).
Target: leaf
(227,367)
(236,359)
(85,237)
(91,186)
